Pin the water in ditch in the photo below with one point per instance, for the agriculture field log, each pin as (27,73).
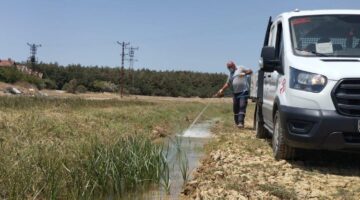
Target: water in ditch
(183,153)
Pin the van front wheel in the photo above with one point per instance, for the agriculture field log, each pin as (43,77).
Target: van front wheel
(280,149)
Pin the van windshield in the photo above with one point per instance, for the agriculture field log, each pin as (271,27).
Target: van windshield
(326,35)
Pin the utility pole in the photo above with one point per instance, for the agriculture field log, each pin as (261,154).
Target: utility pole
(122,73)
(131,62)
(33,51)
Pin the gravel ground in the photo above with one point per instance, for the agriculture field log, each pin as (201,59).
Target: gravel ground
(240,166)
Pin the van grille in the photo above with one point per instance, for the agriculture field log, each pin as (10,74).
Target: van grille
(346,97)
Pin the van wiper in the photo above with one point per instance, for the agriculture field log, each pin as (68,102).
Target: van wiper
(313,52)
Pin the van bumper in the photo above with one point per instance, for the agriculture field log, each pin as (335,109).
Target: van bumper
(319,129)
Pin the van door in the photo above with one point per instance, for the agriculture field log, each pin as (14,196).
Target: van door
(258,114)
(260,78)
(275,76)
(268,97)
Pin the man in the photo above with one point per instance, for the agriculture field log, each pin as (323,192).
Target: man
(239,85)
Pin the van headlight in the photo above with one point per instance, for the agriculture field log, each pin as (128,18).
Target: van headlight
(306,81)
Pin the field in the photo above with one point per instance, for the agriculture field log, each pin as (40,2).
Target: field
(73,148)
(82,148)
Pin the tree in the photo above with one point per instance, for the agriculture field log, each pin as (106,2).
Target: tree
(145,81)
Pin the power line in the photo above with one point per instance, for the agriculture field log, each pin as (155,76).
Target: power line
(131,62)
(33,51)
(132,56)
(122,73)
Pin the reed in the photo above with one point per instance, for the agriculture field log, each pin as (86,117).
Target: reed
(184,168)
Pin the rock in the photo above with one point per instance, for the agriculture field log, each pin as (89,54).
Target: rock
(217,156)
(187,190)
(280,163)
(242,197)
(315,194)
(219,174)
(13,90)
(190,187)
(198,196)
(193,183)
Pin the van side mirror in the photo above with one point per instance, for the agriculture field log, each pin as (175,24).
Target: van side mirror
(269,61)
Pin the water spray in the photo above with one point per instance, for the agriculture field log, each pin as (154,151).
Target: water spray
(198,117)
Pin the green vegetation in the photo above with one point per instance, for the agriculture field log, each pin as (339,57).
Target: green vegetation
(79,79)
(81,149)
(139,82)
(104,86)
(184,167)
(12,75)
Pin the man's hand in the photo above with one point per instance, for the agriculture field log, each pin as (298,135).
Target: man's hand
(245,72)
(220,93)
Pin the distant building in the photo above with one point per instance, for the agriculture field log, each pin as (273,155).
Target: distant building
(7,63)
(23,68)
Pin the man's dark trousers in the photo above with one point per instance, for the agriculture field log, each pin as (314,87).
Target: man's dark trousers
(239,106)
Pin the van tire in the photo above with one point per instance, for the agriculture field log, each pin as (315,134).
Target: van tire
(280,149)
(261,132)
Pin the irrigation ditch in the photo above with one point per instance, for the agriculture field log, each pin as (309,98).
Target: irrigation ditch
(182,153)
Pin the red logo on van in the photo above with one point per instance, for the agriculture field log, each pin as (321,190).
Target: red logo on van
(303,20)
(283,86)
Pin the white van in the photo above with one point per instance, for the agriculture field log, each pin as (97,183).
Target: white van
(308,85)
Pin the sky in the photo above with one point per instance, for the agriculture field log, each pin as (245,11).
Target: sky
(196,35)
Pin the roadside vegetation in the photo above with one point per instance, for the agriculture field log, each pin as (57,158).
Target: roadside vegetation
(80,149)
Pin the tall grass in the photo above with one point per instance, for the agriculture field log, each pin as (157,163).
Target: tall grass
(121,167)
(182,160)
(83,149)
(165,180)
(98,169)
(184,168)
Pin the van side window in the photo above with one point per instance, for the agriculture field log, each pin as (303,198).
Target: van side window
(279,41)
(281,53)
(279,46)
(272,36)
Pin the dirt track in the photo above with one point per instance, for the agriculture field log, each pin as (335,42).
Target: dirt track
(240,166)
(30,90)
(107,95)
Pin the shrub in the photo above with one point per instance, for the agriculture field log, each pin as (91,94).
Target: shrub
(104,86)
(50,84)
(81,89)
(10,75)
(40,84)
(66,87)
(70,86)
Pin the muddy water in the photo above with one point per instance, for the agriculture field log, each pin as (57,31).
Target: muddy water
(185,147)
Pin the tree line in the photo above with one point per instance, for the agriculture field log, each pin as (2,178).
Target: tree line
(78,78)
